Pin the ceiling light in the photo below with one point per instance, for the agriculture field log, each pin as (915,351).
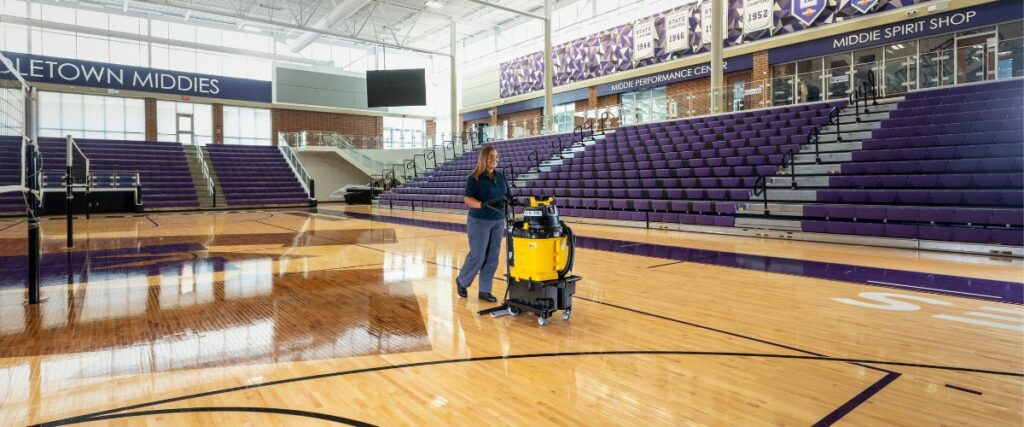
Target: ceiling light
(434,4)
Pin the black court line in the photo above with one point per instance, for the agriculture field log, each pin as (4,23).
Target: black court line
(89,417)
(10,226)
(666,264)
(155,225)
(278,411)
(857,400)
(963,389)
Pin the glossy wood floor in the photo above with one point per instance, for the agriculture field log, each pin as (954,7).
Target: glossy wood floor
(300,318)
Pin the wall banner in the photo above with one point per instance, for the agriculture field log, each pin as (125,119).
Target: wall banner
(677,31)
(807,11)
(757,15)
(47,69)
(863,6)
(643,40)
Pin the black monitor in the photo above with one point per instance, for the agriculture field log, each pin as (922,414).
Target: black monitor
(396,88)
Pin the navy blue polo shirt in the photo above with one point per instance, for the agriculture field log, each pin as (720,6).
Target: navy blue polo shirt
(486,188)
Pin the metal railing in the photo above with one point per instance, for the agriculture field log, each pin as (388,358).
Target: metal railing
(211,187)
(307,181)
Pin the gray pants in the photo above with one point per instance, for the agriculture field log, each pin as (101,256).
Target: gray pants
(484,252)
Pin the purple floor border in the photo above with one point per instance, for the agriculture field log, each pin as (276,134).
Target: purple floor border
(965,287)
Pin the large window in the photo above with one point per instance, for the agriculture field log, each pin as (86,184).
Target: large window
(643,106)
(403,133)
(247,126)
(988,53)
(87,116)
(564,117)
(184,122)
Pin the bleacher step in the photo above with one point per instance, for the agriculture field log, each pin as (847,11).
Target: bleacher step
(801,181)
(822,169)
(846,128)
(792,195)
(780,209)
(847,135)
(809,158)
(873,117)
(832,147)
(769,223)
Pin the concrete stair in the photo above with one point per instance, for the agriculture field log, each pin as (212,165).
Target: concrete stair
(206,200)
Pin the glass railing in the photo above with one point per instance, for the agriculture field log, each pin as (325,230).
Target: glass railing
(300,171)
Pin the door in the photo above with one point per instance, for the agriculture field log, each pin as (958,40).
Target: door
(837,75)
(976,58)
(186,128)
(866,68)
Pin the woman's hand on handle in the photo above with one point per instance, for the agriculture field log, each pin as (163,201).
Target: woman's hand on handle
(472,202)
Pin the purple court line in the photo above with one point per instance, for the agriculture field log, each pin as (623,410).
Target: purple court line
(857,400)
(958,286)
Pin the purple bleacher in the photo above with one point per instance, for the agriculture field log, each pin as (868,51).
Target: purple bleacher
(11,203)
(255,176)
(442,187)
(162,167)
(947,165)
(689,171)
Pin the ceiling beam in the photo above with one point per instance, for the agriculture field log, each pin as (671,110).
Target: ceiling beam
(341,11)
(321,31)
(508,9)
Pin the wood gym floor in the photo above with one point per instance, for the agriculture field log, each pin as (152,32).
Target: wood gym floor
(342,316)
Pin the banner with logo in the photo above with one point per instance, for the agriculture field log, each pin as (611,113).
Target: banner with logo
(807,11)
(863,6)
(677,30)
(643,40)
(757,15)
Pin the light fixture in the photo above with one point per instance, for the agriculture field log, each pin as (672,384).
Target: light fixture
(434,4)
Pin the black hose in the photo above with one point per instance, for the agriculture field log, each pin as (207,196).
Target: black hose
(572,250)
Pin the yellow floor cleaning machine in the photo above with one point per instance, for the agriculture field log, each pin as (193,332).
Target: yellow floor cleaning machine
(540,250)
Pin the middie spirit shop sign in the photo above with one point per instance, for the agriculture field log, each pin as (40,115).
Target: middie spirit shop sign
(958,20)
(46,69)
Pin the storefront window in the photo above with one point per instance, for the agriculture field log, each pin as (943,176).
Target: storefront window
(643,106)
(563,117)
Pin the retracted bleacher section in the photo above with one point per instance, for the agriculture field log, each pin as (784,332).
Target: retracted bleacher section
(162,167)
(256,176)
(946,166)
(13,202)
(441,188)
(689,171)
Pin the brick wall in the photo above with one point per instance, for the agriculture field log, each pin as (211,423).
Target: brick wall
(529,119)
(218,123)
(150,106)
(431,128)
(346,124)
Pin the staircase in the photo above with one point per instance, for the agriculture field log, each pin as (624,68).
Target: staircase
(558,158)
(781,206)
(204,178)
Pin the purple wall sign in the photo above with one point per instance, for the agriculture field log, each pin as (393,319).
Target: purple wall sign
(739,63)
(807,11)
(971,17)
(47,69)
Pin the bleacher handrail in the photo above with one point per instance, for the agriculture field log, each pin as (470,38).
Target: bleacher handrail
(300,172)
(211,188)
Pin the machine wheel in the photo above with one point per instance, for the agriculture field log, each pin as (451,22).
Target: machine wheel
(541,320)
(513,311)
(566,314)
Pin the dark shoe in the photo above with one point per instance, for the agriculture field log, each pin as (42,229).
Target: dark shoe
(462,291)
(486,296)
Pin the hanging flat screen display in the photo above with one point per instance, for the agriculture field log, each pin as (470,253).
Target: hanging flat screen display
(396,88)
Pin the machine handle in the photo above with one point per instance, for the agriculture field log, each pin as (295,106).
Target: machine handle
(571,238)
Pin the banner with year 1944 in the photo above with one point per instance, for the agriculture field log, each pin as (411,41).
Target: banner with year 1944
(643,40)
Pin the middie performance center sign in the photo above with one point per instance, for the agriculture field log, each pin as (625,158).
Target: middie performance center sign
(46,69)
(739,63)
